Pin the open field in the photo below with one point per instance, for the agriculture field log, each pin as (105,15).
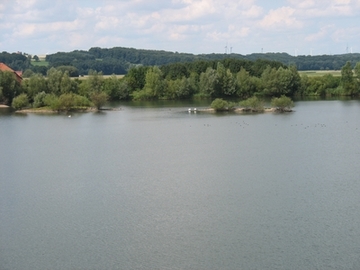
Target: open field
(85,77)
(39,63)
(314,73)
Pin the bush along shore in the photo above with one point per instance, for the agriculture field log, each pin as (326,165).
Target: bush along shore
(253,104)
(226,79)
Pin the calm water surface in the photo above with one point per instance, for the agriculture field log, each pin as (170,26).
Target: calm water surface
(154,187)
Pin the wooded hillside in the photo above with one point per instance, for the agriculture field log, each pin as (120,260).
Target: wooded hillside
(119,60)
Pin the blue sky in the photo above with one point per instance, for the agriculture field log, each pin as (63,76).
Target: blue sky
(190,26)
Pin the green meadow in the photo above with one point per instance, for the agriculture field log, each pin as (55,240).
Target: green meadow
(316,73)
(39,63)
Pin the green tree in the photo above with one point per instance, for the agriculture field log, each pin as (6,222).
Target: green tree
(281,81)
(36,84)
(52,101)
(154,85)
(178,89)
(19,102)
(207,82)
(66,85)
(282,103)
(68,102)
(39,100)
(115,88)
(357,70)
(219,104)
(245,84)
(270,81)
(347,80)
(135,78)
(28,73)
(94,83)
(54,77)
(71,70)
(153,82)
(252,104)
(224,83)
(99,99)
(9,85)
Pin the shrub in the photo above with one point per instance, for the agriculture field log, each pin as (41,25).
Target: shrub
(52,101)
(252,104)
(20,101)
(99,99)
(222,105)
(282,103)
(39,100)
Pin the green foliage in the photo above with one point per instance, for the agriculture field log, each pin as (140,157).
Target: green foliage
(282,103)
(116,89)
(208,82)
(99,99)
(219,104)
(52,101)
(225,82)
(39,100)
(135,78)
(36,84)
(222,105)
(119,60)
(54,77)
(66,102)
(357,70)
(19,102)
(71,70)
(178,89)
(28,73)
(280,81)
(246,85)
(16,61)
(10,87)
(95,81)
(154,85)
(347,80)
(252,104)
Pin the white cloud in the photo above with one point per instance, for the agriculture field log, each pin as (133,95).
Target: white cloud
(321,34)
(198,26)
(326,8)
(281,18)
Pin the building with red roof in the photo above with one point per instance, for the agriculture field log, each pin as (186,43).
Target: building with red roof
(18,74)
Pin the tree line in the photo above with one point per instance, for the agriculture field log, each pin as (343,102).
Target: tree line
(120,60)
(228,79)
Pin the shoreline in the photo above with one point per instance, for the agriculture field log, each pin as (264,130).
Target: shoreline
(48,111)
(243,110)
(93,109)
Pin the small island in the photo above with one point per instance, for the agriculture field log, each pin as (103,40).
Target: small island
(252,105)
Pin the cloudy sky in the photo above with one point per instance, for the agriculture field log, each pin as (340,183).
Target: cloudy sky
(192,26)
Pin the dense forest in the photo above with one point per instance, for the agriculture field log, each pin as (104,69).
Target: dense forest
(120,60)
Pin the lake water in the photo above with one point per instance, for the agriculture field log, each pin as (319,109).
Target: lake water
(156,187)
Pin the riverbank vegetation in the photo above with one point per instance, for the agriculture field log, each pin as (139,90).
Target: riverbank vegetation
(227,79)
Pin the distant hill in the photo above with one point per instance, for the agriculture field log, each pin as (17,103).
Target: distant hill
(119,60)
